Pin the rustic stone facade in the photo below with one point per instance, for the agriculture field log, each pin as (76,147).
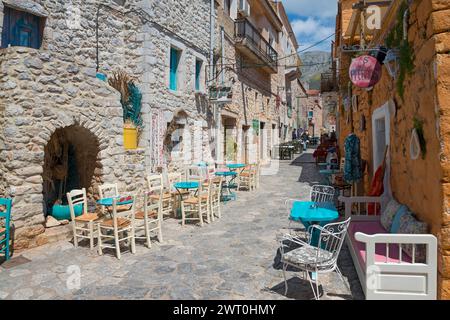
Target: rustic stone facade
(421,184)
(55,87)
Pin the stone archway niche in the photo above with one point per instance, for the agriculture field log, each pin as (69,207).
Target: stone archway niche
(70,162)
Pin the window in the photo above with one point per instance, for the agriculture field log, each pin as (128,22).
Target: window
(22,29)
(227,7)
(174,64)
(198,73)
(311,114)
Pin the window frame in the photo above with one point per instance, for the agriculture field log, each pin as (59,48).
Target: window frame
(174,78)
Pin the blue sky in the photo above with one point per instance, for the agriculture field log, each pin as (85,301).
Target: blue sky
(312,21)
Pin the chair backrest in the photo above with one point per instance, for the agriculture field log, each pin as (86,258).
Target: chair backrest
(216,188)
(76,197)
(155,182)
(129,214)
(155,187)
(194,173)
(7,203)
(331,239)
(320,193)
(108,190)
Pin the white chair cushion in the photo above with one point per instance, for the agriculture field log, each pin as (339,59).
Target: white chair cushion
(307,256)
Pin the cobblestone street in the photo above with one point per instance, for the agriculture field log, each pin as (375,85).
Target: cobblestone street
(232,258)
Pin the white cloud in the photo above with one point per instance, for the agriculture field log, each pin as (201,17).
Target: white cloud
(311,8)
(311,31)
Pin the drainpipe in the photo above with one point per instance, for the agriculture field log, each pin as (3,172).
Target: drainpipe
(222,40)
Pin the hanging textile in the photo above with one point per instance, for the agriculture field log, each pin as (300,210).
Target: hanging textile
(352,167)
(157,138)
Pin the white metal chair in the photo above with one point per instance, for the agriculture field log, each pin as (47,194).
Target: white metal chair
(83,225)
(111,232)
(309,258)
(150,218)
(322,193)
(195,207)
(318,193)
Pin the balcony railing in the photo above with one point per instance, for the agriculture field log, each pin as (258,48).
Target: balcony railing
(244,30)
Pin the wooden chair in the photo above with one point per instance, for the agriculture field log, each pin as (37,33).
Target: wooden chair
(82,226)
(198,206)
(5,230)
(150,218)
(110,190)
(215,195)
(118,229)
(166,198)
(246,178)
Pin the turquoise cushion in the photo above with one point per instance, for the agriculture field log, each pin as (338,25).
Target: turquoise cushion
(398,215)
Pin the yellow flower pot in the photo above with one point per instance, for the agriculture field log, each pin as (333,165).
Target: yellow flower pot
(130,138)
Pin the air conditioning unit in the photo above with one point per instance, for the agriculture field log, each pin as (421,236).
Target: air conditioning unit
(244,8)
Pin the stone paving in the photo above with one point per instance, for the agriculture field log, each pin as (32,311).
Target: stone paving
(235,257)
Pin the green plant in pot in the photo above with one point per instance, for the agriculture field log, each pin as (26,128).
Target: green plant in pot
(131,100)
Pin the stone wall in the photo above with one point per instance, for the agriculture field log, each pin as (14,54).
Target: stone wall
(41,92)
(421,184)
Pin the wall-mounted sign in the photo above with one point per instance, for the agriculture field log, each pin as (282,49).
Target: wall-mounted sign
(365,71)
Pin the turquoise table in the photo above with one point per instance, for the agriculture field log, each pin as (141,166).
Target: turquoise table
(187,185)
(233,174)
(309,213)
(108,202)
(5,232)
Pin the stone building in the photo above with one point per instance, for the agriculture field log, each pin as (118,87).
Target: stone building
(250,38)
(61,127)
(387,114)
(312,108)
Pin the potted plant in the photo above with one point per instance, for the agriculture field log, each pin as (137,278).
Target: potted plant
(131,100)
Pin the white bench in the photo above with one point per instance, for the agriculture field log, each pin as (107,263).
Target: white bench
(384,269)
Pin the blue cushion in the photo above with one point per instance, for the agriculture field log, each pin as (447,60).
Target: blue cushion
(398,215)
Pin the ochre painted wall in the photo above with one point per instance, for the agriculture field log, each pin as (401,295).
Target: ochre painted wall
(423,184)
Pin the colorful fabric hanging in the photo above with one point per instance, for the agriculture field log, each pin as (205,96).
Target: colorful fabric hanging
(352,168)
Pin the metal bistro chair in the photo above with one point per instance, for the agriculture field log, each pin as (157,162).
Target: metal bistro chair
(150,218)
(320,259)
(111,232)
(5,230)
(318,193)
(82,226)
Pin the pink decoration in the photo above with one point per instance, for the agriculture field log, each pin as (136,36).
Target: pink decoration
(365,71)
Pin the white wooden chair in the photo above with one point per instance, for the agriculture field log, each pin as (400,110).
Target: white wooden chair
(83,225)
(246,178)
(309,258)
(111,232)
(110,190)
(166,198)
(196,207)
(215,195)
(150,219)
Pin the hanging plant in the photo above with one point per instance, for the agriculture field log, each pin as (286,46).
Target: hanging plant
(418,128)
(396,39)
(130,98)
